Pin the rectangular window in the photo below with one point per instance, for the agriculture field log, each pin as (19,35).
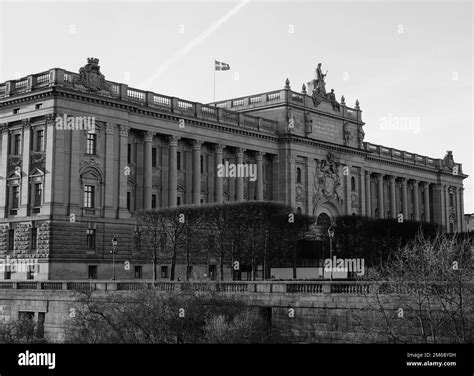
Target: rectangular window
(129,153)
(129,195)
(17,144)
(34,237)
(39,140)
(153,157)
(15,196)
(16,111)
(92,271)
(137,240)
(91,239)
(11,239)
(40,326)
(30,273)
(178,160)
(153,201)
(7,272)
(89,196)
(164,271)
(38,106)
(38,194)
(91,143)
(212,272)
(202,164)
(138,271)
(178,199)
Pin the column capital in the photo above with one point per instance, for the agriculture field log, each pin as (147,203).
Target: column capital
(367,173)
(259,155)
(275,158)
(148,136)
(379,176)
(3,127)
(219,148)
(124,130)
(239,152)
(196,144)
(50,118)
(26,123)
(173,140)
(109,128)
(391,178)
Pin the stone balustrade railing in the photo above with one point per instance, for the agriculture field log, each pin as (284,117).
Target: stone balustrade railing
(406,157)
(60,77)
(276,287)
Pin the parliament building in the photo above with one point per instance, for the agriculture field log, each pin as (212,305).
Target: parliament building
(80,155)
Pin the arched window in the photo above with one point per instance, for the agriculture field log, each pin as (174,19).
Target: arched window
(298,175)
(353,184)
(299,211)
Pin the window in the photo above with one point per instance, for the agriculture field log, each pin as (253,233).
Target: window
(353,184)
(164,271)
(17,144)
(16,111)
(15,196)
(91,239)
(38,194)
(128,200)
(39,140)
(212,272)
(451,227)
(299,211)
(202,164)
(34,237)
(298,175)
(30,273)
(27,322)
(7,272)
(137,240)
(38,106)
(153,201)
(138,271)
(89,193)
(178,160)
(11,239)
(92,271)
(451,199)
(178,199)
(129,153)
(40,326)
(153,157)
(91,143)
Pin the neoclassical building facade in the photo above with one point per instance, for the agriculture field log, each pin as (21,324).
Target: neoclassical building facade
(80,155)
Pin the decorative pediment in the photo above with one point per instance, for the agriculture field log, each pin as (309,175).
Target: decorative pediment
(36,172)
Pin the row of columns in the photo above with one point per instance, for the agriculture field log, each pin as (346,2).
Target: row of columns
(196,172)
(392,195)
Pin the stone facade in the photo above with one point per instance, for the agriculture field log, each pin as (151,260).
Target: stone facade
(62,182)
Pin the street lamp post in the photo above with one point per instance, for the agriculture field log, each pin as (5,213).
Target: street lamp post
(331,235)
(114,247)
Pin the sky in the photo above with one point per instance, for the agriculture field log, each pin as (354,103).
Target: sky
(406,62)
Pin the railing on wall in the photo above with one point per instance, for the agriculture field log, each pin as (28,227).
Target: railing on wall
(275,287)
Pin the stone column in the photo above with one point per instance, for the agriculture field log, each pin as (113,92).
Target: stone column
(275,177)
(173,171)
(380,196)
(260,176)
(348,190)
(110,187)
(458,210)
(446,203)
(404,199)
(25,169)
(218,148)
(368,198)
(393,204)
(197,172)
(416,201)
(362,192)
(461,204)
(426,203)
(3,170)
(239,187)
(123,176)
(147,170)
(50,149)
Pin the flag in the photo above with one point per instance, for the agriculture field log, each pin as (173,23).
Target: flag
(221,66)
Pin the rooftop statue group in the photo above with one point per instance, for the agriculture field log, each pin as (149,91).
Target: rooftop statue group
(319,91)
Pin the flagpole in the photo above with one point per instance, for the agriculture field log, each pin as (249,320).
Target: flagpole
(214,79)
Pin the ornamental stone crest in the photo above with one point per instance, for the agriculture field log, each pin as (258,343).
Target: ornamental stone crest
(327,180)
(448,161)
(90,76)
(91,162)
